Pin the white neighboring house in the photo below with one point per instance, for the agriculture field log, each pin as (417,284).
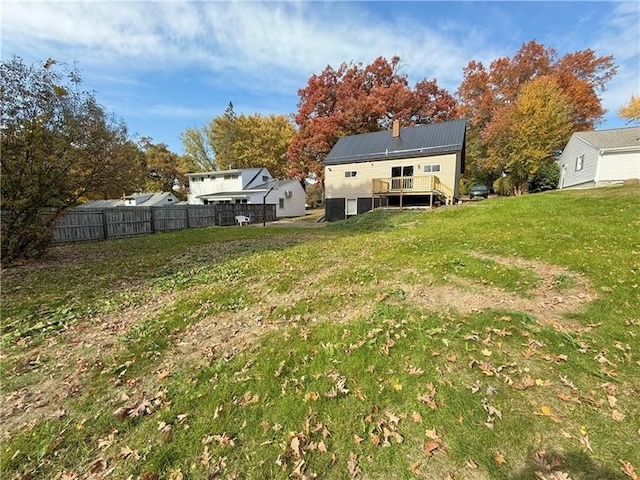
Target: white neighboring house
(249,185)
(158,199)
(600,158)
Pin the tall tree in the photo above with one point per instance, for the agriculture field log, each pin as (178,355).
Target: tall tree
(165,169)
(357,99)
(58,145)
(581,76)
(244,141)
(526,136)
(631,111)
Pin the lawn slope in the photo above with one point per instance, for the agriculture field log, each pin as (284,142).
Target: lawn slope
(491,340)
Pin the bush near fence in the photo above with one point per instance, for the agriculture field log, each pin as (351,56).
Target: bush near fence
(83,225)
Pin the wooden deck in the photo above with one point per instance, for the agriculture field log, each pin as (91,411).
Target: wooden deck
(421,185)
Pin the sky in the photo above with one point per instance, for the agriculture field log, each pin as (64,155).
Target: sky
(163,67)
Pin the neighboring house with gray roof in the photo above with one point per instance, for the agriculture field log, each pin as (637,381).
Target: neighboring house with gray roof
(151,199)
(157,199)
(248,185)
(600,158)
(407,166)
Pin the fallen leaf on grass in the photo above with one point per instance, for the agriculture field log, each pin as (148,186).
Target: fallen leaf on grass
(416,417)
(428,398)
(352,465)
(108,440)
(312,396)
(127,452)
(357,440)
(499,458)
(629,470)
(431,446)
(545,411)
(617,416)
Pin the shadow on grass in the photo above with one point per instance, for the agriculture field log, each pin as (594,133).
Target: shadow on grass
(576,464)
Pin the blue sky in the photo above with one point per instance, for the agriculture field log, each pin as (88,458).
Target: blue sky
(166,66)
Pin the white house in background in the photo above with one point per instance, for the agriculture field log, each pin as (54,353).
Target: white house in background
(600,158)
(157,199)
(249,185)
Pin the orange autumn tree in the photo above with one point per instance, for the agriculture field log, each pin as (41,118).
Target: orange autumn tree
(356,99)
(581,76)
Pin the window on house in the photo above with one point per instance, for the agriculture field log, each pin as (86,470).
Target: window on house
(350,174)
(230,177)
(265,178)
(431,168)
(281,203)
(579,163)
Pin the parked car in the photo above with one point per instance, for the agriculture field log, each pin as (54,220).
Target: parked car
(479,191)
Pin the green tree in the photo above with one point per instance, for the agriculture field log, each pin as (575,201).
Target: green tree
(526,136)
(58,146)
(165,169)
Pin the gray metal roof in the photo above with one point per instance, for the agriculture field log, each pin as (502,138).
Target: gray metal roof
(418,141)
(614,138)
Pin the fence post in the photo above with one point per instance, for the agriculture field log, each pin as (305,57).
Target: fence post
(105,225)
(153,222)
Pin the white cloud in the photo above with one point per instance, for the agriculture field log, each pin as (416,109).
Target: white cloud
(260,41)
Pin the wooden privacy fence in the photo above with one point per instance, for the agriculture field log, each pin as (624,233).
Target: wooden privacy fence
(82,225)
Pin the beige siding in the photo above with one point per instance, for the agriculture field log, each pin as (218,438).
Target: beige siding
(339,186)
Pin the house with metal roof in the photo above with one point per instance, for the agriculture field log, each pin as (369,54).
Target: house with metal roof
(248,185)
(404,166)
(599,158)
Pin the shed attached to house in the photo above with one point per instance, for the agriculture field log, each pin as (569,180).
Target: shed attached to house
(600,158)
(418,165)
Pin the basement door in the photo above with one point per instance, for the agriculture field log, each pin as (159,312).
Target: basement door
(350,207)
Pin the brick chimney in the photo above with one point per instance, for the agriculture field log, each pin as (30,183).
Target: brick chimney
(395,132)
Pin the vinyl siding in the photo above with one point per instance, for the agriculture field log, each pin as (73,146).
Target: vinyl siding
(339,186)
(569,177)
(618,166)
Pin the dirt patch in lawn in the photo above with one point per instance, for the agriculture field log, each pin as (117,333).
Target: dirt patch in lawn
(57,369)
(558,292)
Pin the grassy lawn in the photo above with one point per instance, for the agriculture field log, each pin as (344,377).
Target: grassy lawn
(498,340)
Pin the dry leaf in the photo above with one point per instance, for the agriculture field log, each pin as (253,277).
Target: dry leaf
(416,417)
(163,374)
(352,465)
(432,434)
(357,440)
(431,446)
(545,411)
(629,470)
(312,396)
(617,416)
(499,458)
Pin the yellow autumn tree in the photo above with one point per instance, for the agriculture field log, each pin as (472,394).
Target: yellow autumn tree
(527,135)
(232,141)
(631,111)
